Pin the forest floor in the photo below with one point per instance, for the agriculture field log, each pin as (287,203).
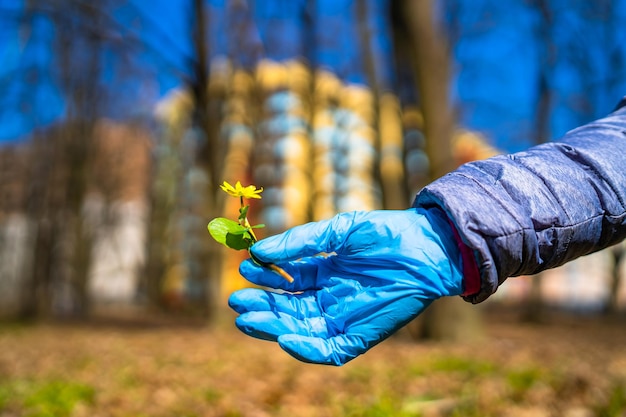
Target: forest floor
(573,366)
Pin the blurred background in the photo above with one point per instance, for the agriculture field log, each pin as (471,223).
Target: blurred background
(119,120)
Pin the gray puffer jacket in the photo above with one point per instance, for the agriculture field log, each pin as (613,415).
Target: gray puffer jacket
(534,210)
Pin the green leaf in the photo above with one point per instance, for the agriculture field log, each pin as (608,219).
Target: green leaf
(257,226)
(230,233)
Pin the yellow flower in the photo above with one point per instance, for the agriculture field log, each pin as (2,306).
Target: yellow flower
(240,191)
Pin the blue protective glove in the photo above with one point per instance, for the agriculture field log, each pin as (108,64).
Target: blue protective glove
(384,269)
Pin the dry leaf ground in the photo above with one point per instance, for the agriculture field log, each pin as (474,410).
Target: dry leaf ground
(568,366)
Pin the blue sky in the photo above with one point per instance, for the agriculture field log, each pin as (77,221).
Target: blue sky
(504,51)
(146,53)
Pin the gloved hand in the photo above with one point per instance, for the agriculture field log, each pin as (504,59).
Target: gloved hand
(380,269)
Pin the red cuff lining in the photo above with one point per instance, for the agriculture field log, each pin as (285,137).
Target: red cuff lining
(471,276)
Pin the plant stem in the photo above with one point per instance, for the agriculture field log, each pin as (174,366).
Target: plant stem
(281,272)
(272,267)
(247,225)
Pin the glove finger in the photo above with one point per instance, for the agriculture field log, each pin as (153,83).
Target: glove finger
(251,299)
(358,338)
(304,273)
(337,350)
(305,240)
(270,325)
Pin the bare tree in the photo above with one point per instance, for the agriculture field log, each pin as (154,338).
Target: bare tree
(195,153)
(62,158)
(447,318)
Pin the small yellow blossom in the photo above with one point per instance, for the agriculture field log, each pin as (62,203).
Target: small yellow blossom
(240,191)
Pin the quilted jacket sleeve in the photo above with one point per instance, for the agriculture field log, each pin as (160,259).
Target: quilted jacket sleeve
(534,210)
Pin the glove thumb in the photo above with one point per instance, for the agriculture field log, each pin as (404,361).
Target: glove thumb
(305,240)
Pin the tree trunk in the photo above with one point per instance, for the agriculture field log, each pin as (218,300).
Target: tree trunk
(449,318)
(612,303)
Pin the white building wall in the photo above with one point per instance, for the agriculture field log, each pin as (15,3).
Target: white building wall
(119,252)
(15,261)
